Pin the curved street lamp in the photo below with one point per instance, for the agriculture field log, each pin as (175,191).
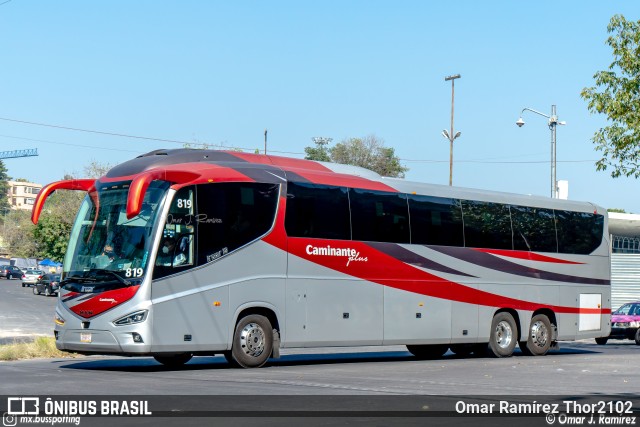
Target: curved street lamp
(553,122)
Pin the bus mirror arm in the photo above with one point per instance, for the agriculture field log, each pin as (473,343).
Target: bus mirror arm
(69,184)
(139,185)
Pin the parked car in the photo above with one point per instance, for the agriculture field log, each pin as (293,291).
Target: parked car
(10,272)
(49,284)
(31,277)
(625,324)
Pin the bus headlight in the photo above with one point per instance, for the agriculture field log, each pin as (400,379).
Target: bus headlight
(634,324)
(58,319)
(132,318)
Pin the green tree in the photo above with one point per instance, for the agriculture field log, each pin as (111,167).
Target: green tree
(616,94)
(18,234)
(368,152)
(320,152)
(51,234)
(4,189)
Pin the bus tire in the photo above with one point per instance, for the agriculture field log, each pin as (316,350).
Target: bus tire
(539,337)
(428,351)
(602,341)
(636,338)
(504,335)
(175,360)
(252,342)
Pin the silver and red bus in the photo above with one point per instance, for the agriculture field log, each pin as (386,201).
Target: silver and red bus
(181,253)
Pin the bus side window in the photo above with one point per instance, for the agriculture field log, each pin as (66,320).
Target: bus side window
(317,211)
(578,232)
(379,216)
(533,229)
(487,225)
(231,215)
(435,221)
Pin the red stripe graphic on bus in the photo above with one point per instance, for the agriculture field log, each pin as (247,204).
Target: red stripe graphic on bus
(100,302)
(498,264)
(361,260)
(531,256)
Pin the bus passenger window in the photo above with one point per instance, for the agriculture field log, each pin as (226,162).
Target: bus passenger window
(578,232)
(317,211)
(533,229)
(378,216)
(231,215)
(486,225)
(435,221)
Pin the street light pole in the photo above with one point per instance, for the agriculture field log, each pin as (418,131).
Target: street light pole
(450,135)
(553,123)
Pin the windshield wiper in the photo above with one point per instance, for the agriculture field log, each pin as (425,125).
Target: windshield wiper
(81,279)
(117,276)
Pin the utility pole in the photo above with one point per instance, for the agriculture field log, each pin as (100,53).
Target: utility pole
(450,135)
(265,141)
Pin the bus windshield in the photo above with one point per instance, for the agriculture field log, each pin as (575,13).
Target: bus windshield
(106,246)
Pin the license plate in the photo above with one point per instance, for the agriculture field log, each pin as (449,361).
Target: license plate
(84,337)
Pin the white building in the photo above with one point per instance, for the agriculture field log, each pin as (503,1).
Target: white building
(625,258)
(22,195)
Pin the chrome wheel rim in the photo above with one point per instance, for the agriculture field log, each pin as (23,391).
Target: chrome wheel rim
(539,334)
(252,340)
(504,334)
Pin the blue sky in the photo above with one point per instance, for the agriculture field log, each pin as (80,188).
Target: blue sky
(220,72)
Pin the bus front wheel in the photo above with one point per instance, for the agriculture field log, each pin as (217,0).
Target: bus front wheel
(504,335)
(252,342)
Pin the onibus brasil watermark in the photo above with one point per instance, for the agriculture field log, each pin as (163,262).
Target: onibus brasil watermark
(31,410)
(565,412)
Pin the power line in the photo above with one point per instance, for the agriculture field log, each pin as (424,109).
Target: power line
(148,138)
(97,131)
(71,145)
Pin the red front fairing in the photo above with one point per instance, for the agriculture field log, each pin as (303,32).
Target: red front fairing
(89,303)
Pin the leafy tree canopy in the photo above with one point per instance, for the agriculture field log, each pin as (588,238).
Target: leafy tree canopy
(616,94)
(4,188)
(368,152)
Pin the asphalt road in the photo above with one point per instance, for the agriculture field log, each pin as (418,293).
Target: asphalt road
(23,314)
(578,367)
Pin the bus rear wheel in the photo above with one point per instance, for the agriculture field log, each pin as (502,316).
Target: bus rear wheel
(539,337)
(428,351)
(174,360)
(252,342)
(504,335)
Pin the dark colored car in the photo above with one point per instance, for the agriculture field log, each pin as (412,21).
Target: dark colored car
(49,284)
(10,272)
(625,324)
